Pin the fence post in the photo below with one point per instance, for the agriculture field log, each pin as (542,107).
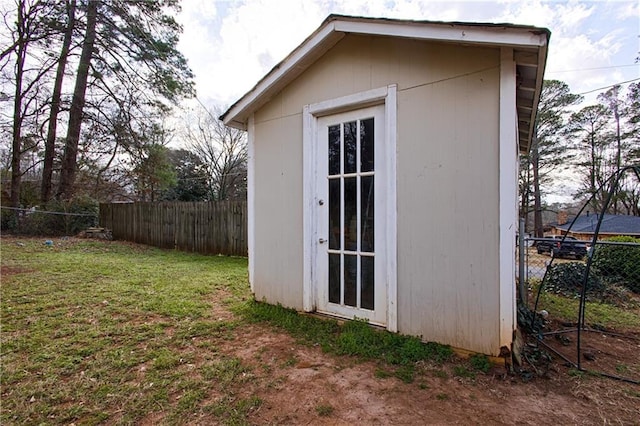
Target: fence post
(522,286)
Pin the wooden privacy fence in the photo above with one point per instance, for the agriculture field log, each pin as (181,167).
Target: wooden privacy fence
(211,228)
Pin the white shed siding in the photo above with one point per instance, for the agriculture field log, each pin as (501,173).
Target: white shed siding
(447,181)
(278,206)
(448,283)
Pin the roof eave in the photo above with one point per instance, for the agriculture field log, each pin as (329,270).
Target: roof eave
(525,138)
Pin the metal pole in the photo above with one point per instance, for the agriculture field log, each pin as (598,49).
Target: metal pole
(521,272)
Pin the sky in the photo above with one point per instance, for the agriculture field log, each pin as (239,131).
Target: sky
(231,44)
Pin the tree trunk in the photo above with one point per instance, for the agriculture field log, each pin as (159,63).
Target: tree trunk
(69,160)
(16,155)
(592,177)
(618,157)
(50,143)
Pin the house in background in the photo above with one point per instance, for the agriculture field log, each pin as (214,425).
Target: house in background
(584,227)
(382,180)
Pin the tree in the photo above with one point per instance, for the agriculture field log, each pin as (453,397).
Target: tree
(548,149)
(129,74)
(607,139)
(589,127)
(31,27)
(223,151)
(49,148)
(154,173)
(68,171)
(22,44)
(128,51)
(191,177)
(624,112)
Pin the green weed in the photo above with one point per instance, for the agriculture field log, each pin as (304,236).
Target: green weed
(234,412)
(442,374)
(622,368)
(480,362)
(463,371)
(406,373)
(226,371)
(324,410)
(381,374)
(355,337)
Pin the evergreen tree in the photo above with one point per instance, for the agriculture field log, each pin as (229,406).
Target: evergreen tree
(549,150)
(191,177)
(129,51)
(589,130)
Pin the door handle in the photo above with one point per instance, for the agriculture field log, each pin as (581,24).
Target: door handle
(322,241)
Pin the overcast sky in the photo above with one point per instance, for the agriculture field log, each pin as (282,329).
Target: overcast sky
(231,44)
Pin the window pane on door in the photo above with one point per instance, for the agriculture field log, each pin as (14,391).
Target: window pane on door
(350,215)
(334,278)
(350,147)
(334,149)
(366,280)
(350,280)
(366,145)
(366,213)
(334,214)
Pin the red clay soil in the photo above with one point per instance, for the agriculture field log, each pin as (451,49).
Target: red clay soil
(301,385)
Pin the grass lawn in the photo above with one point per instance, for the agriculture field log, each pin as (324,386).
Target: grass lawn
(96,332)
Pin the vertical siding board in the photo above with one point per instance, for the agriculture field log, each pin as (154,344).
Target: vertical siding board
(202,227)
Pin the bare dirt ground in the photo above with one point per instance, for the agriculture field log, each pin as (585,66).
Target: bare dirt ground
(294,380)
(616,354)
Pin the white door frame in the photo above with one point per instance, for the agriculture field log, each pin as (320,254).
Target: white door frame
(384,95)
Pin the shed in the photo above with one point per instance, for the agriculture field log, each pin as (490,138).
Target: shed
(382,175)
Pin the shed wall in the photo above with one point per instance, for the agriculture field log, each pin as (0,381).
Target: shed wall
(278,250)
(448,212)
(447,180)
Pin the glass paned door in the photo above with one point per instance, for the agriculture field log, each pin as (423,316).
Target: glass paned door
(349,144)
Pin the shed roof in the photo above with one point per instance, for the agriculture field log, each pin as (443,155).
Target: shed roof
(612,224)
(529,44)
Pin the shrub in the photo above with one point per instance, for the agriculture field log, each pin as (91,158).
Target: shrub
(37,222)
(619,264)
(567,279)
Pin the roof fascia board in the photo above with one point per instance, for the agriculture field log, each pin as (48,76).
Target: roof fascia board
(542,61)
(507,36)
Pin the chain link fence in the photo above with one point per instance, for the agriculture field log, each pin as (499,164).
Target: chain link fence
(593,330)
(615,264)
(60,220)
